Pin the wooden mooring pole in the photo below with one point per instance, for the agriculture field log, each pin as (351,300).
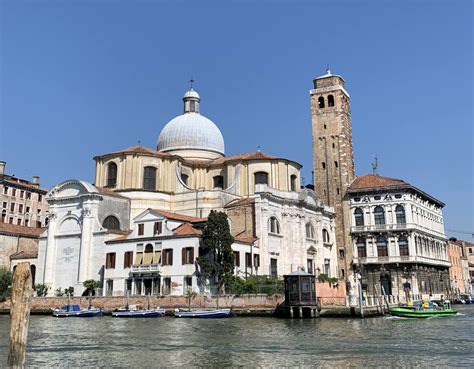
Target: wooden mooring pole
(19,315)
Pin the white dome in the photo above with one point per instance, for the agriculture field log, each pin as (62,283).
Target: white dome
(191,93)
(191,131)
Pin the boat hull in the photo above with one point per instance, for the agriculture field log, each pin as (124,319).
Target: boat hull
(78,314)
(422,313)
(139,314)
(203,314)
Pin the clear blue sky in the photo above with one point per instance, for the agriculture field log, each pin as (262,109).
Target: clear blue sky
(82,78)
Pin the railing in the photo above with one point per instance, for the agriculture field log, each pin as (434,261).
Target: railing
(401,259)
(382,227)
(146,268)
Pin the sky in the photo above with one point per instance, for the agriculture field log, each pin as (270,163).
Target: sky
(84,78)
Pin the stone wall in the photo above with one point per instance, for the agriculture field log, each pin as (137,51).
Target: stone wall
(10,244)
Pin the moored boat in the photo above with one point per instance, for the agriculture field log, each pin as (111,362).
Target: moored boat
(133,312)
(70,311)
(203,314)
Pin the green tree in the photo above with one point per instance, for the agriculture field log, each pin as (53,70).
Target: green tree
(41,289)
(217,258)
(6,278)
(90,285)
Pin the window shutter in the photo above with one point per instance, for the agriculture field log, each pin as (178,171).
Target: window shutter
(159,227)
(191,260)
(171,256)
(183,256)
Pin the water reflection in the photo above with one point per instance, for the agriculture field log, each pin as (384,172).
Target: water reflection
(254,342)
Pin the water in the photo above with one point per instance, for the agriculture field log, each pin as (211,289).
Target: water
(249,342)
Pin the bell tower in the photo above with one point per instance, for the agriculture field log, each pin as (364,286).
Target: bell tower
(333,159)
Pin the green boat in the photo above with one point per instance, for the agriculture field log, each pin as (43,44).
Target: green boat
(423,312)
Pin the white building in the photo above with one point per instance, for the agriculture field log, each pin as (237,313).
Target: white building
(398,237)
(188,175)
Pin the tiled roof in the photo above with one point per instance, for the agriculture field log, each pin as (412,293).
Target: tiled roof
(18,182)
(246,156)
(246,240)
(138,149)
(24,255)
(109,192)
(180,217)
(186,229)
(373,181)
(121,238)
(18,230)
(240,202)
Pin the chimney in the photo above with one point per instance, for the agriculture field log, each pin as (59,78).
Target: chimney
(2,167)
(36,181)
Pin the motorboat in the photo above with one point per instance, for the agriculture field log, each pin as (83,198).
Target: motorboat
(424,310)
(133,312)
(203,314)
(69,311)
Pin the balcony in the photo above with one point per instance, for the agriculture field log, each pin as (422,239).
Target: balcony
(402,259)
(382,227)
(146,268)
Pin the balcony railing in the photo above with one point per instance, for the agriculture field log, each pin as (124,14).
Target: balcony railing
(146,268)
(382,227)
(401,259)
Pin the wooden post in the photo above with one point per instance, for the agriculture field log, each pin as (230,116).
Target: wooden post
(20,315)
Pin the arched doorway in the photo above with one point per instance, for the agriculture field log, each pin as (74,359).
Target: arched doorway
(385,282)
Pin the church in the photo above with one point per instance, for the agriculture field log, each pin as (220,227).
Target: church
(137,229)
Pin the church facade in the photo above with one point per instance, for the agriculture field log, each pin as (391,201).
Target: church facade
(102,231)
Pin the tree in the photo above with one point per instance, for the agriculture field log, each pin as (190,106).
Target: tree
(6,278)
(41,289)
(90,285)
(217,258)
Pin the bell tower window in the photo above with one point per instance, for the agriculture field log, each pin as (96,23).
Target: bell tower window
(330,100)
(321,102)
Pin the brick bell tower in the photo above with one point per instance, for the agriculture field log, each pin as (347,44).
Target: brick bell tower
(333,159)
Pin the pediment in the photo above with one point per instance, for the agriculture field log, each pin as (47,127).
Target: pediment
(71,188)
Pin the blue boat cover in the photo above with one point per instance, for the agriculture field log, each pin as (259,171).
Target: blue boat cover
(71,308)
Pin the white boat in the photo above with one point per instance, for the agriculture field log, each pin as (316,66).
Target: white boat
(203,314)
(133,312)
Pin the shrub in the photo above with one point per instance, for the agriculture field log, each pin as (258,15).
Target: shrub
(6,278)
(41,289)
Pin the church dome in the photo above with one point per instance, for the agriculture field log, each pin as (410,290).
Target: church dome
(191,135)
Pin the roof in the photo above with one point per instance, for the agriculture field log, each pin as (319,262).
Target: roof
(370,182)
(137,150)
(246,156)
(240,202)
(186,229)
(24,255)
(246,240)
(180,217)
(298,272)
(22,183)
(18,230)
(109,192)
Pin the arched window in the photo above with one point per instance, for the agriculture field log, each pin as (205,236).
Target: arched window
(148,257)
(361,247)
(293,182)
(403,246)
(309,230)
(382,249)
(184,178)
(46,222)
(111,175)
(33,274)
(323,164)
(321,102)
(400,214)
(273,225)
(261,178)
(330,100)
(218,182)
(379,215)
(359,217)
(326,236)
(4,216)
(149,178)
(111,223)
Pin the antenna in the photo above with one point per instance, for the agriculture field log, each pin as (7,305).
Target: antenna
(375,166)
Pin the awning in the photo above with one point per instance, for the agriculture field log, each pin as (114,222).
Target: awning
(148,258)
(138,258)
(157,258)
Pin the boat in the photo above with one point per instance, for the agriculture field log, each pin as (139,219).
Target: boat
(133,312)
(424,311)
(68,311)
(203,314)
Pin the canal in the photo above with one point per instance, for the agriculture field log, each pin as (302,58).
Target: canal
(250,342)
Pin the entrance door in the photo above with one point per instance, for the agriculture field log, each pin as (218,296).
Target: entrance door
(386,283)
(147,286)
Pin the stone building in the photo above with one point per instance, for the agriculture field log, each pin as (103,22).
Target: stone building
(22,201)
(398,238)
(459,263)
(333,159)
(270,215)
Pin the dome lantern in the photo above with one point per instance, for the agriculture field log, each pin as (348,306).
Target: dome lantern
(191,101)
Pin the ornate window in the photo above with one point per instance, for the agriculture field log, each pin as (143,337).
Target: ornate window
(261,178)
(361,247)
(379,215)
(218,182)
(330,100)
(293,182)
(111,175)
(326,238)
(382,249)
(400,214)
(321,102)
(111,223)
(359,217)
(403,246)
(309,230)
(274,225)
(149,178)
